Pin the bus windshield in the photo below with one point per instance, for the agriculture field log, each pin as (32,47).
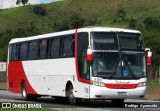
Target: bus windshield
(111,60)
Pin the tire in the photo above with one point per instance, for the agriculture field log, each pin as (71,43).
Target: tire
(71,98)
(26,96)
(117,102)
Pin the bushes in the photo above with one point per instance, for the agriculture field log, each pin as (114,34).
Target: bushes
(74,20)
(38,10)
(132,23)
(152,23)
(152,40)
(121,13)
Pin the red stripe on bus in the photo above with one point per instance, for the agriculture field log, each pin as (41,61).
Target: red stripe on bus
(121,86)
(16,75)
(76,57)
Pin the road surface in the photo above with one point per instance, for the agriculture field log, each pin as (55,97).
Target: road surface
(48,102)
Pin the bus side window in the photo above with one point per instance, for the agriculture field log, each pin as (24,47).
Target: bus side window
(55,47)
(19,51)
(33,50)
(43,49)
(15,52)
(38,48)
(66,50)
(72,46)
(24,51)
(10,53)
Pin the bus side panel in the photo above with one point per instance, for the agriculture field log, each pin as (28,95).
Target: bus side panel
(49,77)
(16,75)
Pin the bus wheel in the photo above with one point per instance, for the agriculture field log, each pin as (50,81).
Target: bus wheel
(117,102)
(26,96)
(71,98)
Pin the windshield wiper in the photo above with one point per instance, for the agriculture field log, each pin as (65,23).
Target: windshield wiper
(114,68)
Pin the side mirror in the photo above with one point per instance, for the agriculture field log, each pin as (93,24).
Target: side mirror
(149,58)
(89,55)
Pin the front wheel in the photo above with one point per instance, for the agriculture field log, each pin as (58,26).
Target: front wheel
(71,98)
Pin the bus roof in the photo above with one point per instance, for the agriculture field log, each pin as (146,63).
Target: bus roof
(86,29)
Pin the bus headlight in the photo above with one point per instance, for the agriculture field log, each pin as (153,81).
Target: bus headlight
(141,84)
(97,83)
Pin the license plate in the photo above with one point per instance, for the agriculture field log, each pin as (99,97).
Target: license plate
(122,93)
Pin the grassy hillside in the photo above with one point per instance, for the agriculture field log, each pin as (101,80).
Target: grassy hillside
(101,12)
(25,21)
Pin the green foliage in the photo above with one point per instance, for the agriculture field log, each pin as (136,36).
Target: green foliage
(132,23)
(121,13)
(152,40)
(76,21)
(38,10)
(61,25)
(3,54)
(152,23)
(153,82)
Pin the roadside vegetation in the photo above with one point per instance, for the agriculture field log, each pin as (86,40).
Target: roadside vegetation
(152,83)
(29,20)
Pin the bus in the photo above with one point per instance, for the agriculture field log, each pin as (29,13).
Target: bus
(91,63)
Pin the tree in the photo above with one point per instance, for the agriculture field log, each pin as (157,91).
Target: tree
(18,2)
(24,2)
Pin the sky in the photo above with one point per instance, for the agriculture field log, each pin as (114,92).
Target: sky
(12,3)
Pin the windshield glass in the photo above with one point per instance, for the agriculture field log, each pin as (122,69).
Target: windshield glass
(104,63)
(133,64)
(108,65)
(112,59)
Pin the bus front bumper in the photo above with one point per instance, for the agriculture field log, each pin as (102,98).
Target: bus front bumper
(97,92)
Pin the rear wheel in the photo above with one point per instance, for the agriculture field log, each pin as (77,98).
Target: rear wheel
(71,98)
(26,96)
(117,102)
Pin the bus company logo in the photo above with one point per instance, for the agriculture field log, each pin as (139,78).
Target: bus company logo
(123,82)
(6,105)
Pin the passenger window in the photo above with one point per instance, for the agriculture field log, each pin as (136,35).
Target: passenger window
(10,53)
(55,47)
(43,49)
(16,52)
(67,49)
(33,50)
(24,51)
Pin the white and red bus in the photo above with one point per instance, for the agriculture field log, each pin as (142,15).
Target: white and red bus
(86,63)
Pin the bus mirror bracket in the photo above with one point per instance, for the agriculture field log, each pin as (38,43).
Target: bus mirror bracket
(89,55)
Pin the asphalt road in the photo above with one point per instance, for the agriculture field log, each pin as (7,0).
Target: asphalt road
(48,102)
